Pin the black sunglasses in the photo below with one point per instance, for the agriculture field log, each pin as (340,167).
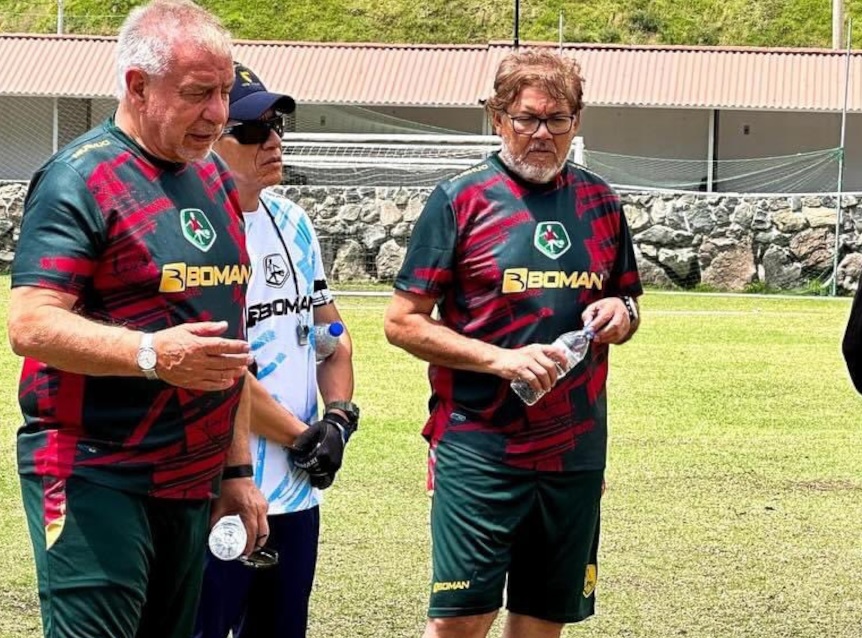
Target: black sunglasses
(260,558)
(256,131)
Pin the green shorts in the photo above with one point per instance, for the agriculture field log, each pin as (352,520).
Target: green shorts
(491,523)
(114,565)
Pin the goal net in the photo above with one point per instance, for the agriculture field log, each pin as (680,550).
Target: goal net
(351,159)
(812,172)
(321,159)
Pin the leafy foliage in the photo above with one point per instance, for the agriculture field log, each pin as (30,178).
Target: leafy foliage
(697,22)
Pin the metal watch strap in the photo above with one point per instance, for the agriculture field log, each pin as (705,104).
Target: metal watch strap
(147,344)
(631,308)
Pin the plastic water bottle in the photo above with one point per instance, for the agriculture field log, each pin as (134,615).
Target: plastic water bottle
(326,337)
(575,345)
(228,538)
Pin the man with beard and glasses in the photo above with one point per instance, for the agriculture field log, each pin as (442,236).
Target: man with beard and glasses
(128,288)
(514,252)
(287,295)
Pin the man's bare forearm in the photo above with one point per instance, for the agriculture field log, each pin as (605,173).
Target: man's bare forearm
(40,327)
(238,453)
(335,373)
(429,340)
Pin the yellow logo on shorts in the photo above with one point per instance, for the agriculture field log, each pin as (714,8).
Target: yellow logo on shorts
(450,585)
(54,529)
(590,578)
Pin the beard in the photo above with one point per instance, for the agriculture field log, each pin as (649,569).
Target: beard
(530,172)
(192,154)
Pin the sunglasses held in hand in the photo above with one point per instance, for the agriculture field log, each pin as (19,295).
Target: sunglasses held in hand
(256,131)
(260,558)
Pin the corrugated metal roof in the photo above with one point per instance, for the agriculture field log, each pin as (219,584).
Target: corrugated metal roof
(57,66)
(727,78)
(461,75)
(370,74)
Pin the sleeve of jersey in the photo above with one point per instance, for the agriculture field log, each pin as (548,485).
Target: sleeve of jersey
(851,346)
(321,295)
(428,265)
(625,278)
(61,233)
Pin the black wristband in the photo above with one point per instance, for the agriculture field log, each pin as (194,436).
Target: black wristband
(237,471)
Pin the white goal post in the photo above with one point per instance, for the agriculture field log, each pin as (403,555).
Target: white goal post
(357,159)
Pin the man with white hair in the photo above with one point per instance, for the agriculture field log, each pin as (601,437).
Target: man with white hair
(128,288)
(514,252)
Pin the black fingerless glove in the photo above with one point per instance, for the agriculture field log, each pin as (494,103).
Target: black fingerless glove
(345,426)
(320,449)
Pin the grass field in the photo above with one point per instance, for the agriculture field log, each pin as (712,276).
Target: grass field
(734,505)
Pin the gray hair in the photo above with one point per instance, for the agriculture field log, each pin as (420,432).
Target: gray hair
(558,76)
(149,33)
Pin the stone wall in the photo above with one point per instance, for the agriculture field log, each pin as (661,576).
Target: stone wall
(11,207)
(722,242)
(729,242)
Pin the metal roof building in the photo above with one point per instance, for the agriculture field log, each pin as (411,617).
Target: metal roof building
(692,103)
(460,75)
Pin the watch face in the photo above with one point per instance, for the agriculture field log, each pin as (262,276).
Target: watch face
(146,359)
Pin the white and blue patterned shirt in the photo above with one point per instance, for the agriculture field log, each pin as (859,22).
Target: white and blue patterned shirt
(282,293)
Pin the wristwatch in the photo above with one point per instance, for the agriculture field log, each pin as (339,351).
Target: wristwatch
(348,407)
(631,307)
(146,357)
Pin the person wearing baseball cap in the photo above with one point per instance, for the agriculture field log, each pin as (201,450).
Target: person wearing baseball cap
(249,98)
(295,454)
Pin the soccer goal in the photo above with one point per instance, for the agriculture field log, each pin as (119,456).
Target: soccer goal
(354,159)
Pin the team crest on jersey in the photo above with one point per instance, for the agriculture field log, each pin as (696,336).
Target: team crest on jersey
(274,270)
(197,229)
(590,578)
(551,239)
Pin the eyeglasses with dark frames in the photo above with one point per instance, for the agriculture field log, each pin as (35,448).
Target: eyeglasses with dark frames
(529,124)
(256,131)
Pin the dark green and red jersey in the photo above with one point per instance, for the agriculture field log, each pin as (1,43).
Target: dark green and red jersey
(146,244)
(514,263)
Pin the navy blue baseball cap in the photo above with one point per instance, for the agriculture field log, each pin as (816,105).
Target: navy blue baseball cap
(249,98)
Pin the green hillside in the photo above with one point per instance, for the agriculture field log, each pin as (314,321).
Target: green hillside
(799,23)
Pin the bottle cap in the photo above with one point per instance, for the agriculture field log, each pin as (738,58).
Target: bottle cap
(336,328)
